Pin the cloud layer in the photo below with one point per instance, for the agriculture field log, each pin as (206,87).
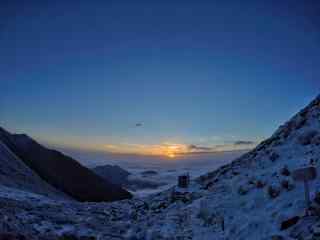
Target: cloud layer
(173,149)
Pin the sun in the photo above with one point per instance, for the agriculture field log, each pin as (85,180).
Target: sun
(171,151)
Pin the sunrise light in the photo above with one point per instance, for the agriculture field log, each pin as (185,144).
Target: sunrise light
(169,150)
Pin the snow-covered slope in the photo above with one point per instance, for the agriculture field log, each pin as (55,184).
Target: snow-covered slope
(14,173)
(254,196)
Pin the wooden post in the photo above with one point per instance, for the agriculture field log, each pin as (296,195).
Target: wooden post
(222,223)
(307,193)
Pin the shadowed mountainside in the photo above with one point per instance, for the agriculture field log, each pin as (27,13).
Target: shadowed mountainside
(61,171)
(14,173)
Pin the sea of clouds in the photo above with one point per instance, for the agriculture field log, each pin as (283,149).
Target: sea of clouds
(164,170)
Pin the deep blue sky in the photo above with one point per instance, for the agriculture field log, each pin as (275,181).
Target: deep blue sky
(192,72)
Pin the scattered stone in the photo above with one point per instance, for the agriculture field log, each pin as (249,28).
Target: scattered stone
(243,190)
(307,137)
(277,237)
(288,185)
(12,236)
(314,210)
(303,229)
(273,191)
(274,156)
(285,171)
(208,185)
(289,223)
(68,237)
(316,140)
(316,232)
(317,198)
(260,184)
(288,128)
(235,173)
(87,238)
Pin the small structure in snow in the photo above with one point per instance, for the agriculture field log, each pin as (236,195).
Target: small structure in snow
(183,181)
(182,191)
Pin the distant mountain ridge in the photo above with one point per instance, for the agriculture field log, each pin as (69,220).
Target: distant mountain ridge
(123,178)
(112,173)
(61,171)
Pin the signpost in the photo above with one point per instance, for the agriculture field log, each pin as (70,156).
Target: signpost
(305,175)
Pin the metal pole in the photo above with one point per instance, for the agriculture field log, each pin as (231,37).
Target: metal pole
(222,224)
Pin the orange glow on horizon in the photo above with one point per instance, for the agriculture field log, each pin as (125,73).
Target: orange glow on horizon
(165,149)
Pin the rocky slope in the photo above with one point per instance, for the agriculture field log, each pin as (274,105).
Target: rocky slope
(61,171)
(254,197)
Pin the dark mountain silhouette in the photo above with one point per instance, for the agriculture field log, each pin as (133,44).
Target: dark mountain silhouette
(15,174)
(61,171)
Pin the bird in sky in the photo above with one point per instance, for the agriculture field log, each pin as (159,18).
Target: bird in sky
(138,124)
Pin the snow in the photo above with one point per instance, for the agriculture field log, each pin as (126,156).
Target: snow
(252,196)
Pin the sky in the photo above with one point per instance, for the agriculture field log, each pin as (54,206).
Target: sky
(156,77)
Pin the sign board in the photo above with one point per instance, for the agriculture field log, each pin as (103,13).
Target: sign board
(304,174)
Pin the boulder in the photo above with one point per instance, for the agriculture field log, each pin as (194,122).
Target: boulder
(289,223)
